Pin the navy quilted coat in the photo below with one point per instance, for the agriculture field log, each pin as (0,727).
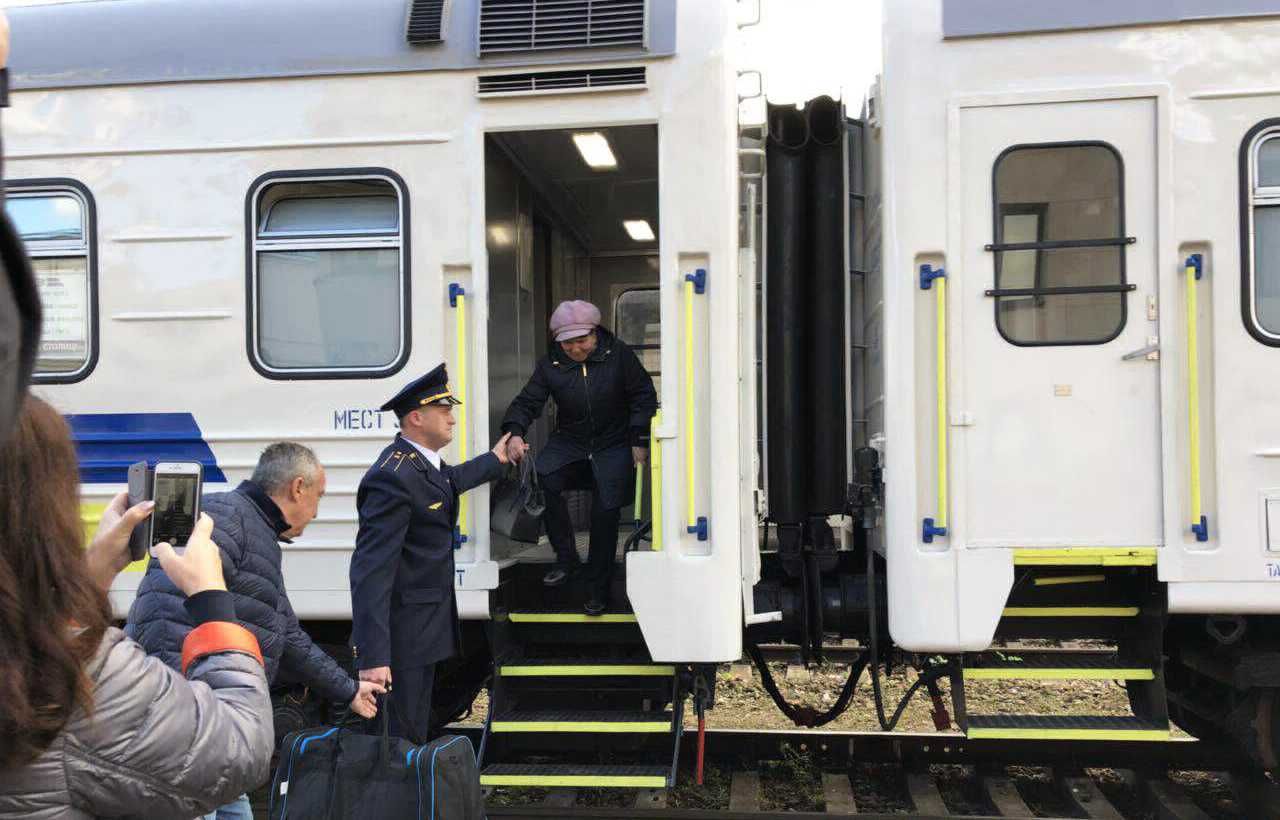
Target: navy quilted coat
(245,534)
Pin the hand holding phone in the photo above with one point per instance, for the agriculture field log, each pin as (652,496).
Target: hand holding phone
(111,548)
(176,492)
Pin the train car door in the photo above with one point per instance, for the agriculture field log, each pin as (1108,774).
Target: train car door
(1057,375)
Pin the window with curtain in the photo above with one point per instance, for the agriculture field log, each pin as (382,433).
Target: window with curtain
(330,277)
(55,221)
(1261,295)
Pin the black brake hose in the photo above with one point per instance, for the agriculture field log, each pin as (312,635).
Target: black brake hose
(872,606)
(804,715)
(924,677)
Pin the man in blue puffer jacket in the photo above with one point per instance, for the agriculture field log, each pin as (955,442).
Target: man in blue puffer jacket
(249,523)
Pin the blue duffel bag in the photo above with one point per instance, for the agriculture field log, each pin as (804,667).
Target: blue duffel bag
(338,772)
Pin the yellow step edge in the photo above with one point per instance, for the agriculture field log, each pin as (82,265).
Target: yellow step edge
(571,618)
(1069,734)
(1071,612)
(1060,580)
(597,727)
(585,670)
(569,780)
(1086,556)
(1013,673)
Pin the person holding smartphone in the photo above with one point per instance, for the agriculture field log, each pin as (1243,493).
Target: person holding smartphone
(92,726)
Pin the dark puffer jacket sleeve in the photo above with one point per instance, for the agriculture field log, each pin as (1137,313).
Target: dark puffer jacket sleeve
(641,397)
(526,407)
(305,661)
(251,564)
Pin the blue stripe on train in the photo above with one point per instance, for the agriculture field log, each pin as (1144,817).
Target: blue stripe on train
(109,442)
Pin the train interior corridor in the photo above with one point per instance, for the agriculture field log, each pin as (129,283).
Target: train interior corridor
(570,214)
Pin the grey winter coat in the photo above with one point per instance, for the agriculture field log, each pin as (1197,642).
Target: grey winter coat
(156,745)
(247,527)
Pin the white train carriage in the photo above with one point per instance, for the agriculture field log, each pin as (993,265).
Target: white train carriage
(1033,289)
(1079,272)
(257,225)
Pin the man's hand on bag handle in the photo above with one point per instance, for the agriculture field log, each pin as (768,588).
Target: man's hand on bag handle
(380,675)
(199,568)
(365,703)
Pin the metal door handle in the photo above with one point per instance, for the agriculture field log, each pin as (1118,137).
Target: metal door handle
(1151,351)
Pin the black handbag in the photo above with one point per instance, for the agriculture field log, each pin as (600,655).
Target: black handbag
(518,503)
(339,772)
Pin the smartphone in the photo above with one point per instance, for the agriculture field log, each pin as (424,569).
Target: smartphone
(176,491)
(140,478)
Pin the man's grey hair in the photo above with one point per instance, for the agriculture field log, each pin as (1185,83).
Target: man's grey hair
(281,463)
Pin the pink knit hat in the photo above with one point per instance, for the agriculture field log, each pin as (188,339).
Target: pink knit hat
(573,319)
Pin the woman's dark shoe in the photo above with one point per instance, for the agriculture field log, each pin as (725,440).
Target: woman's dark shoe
(595,607)
(555,578)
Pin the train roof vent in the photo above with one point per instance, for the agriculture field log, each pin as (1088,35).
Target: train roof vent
(425,21)
(537,25)
(560,82)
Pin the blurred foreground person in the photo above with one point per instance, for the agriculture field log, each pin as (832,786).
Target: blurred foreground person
(89,725)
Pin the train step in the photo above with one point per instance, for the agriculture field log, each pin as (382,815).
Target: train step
(595,722)
(546,668)
(1071,611)
(568,776)
(1064,727)
(570,617)
(1086,557)
(1054,666)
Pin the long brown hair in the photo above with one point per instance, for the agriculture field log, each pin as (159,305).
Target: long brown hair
(52,613)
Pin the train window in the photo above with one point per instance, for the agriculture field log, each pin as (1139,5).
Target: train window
(1261,241)
(637,321)
(1059,244)
(329,278)
(56,220)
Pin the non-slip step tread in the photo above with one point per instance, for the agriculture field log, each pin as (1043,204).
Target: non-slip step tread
(574,667)
(1071,611)
(585,715)
(1086,556)
(554,775)
(574,616)
(1057,665)
(1060,727)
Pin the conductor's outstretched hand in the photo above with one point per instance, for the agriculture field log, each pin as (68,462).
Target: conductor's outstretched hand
(500,449)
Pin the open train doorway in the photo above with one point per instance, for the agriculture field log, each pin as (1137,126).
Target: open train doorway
(571,214)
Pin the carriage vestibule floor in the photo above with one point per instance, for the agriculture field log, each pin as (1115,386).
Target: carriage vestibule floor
(502,548)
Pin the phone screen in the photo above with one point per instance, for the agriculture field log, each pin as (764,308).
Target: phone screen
(174,516)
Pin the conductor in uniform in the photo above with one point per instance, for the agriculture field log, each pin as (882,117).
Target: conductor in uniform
(404,618)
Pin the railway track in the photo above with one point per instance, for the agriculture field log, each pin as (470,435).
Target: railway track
(927,775)
(923,794)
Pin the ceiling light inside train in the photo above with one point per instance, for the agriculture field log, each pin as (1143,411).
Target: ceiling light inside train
(639,230)
(595,150)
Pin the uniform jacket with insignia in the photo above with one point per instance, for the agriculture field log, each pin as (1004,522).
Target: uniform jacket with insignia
(403,610)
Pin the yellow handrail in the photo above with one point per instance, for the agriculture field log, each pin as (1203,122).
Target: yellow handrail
(655,485)
(935,279)
(1199,522)
(459,298)
(688,404)
(635,509)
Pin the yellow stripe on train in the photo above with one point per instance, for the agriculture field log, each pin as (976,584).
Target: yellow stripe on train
(90,515)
